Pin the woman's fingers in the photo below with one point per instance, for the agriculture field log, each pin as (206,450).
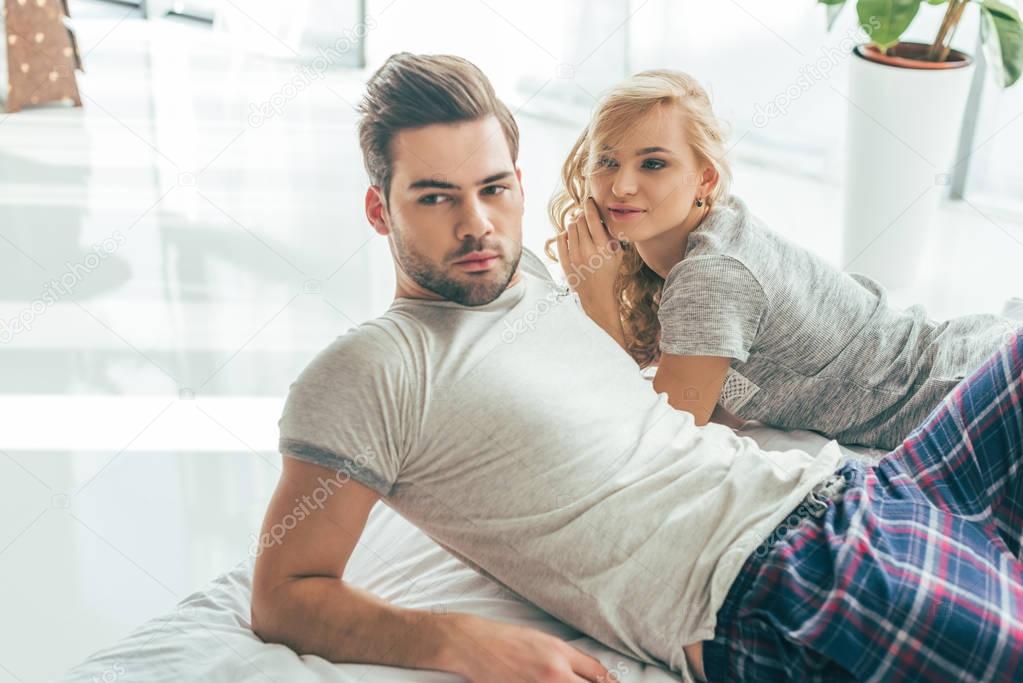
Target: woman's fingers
(578,241)
(598,234)
(562,243)
(584,238)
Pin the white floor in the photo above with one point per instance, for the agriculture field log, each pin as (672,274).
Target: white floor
(138,415)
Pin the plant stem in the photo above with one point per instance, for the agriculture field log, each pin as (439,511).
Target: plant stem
(941,46)
(959,15)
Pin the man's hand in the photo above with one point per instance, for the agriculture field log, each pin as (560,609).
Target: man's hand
(495,652)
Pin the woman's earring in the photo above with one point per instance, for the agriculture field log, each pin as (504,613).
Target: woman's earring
(699,202)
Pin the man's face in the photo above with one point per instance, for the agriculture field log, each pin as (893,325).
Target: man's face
(455,210)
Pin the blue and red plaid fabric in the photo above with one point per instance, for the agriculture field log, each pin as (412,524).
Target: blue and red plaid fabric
(913,573)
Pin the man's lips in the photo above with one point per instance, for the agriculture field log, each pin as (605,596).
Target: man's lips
(479,260)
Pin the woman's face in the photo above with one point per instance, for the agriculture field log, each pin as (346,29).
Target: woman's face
(647,182)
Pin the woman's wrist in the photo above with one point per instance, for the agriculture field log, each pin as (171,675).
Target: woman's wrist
(600,312)
(608,318)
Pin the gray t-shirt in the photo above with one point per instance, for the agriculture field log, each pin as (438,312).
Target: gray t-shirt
(524,440)
(813,347)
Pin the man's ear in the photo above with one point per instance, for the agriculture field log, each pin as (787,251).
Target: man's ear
(376,210)
(522,189)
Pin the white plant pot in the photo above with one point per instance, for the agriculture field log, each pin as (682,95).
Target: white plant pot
(903,131)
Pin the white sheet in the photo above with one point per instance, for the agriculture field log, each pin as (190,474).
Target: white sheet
(207,636)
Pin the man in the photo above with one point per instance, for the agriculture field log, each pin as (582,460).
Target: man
(499,419)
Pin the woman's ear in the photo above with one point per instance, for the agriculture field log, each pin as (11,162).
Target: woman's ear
(709,180)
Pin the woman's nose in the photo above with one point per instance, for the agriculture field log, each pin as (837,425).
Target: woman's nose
(624,184)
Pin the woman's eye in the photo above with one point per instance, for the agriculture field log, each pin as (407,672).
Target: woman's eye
(606,162)
(653,164)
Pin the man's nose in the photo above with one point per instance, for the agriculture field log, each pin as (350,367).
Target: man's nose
(474,221)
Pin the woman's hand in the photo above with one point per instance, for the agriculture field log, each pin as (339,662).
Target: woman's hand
(591,258)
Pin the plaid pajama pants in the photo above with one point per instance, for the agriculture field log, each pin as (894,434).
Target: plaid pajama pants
(913,573)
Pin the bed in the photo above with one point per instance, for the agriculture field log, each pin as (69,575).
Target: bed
(207,637)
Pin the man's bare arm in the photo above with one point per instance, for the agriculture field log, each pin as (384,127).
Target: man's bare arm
(300,600)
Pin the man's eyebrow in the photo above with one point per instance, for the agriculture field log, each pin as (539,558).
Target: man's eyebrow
(494,178)
(425,183)
(433,183)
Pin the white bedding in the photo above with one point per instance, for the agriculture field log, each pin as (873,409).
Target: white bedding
(207,636)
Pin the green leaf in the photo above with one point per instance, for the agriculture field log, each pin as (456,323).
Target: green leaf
(886,20)
(1001,32)
(834,8)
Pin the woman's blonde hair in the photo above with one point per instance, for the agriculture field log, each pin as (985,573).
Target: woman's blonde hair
(637,287)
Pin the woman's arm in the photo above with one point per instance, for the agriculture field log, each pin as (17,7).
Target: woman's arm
(693,384)
(727,418)
(609,320)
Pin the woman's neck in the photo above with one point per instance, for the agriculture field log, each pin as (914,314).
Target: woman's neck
(662,252)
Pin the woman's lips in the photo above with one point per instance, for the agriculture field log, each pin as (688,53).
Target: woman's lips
(625,214)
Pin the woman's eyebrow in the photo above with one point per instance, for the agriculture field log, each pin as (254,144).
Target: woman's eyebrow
(651,150)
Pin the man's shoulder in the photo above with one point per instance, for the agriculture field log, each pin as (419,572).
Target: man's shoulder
(534,265)
(369,348)
(393,337)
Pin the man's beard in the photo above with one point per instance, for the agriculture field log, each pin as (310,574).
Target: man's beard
(469,290)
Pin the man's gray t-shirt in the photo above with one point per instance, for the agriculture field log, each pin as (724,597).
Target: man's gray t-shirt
(813,347)
(523,439)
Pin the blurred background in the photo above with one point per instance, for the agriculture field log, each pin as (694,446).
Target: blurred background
(178,248)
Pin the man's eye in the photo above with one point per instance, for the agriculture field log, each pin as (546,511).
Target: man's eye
(653,164)
(432,199)
(494,189)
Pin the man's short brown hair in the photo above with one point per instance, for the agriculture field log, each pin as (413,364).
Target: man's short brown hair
(411,91)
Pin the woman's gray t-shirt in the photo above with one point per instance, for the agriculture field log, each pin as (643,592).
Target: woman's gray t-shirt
(813,347)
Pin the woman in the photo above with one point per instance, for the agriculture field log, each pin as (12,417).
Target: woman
(738,320)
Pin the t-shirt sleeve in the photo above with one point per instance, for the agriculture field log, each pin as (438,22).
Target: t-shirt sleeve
(350,409)
(533,264)
(710,306)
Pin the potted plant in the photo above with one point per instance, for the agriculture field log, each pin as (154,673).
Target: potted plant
(906,103)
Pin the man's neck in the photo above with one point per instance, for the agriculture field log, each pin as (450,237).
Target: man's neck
(407,288)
